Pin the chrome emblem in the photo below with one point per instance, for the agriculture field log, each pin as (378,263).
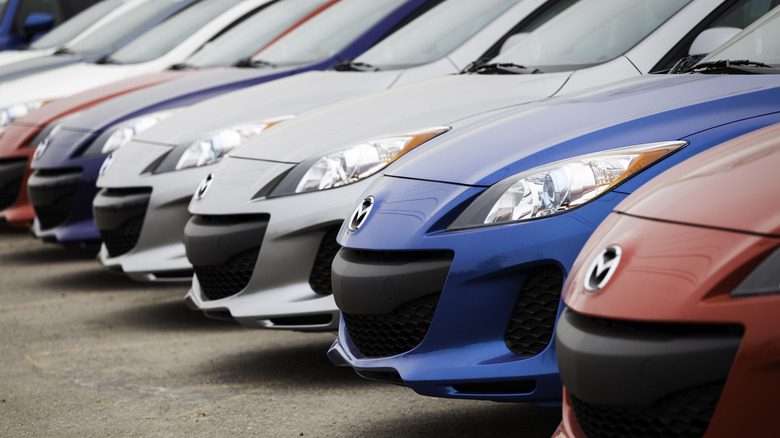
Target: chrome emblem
(359,216)
(204,187)
(106,164)
(602,269)
(41,149)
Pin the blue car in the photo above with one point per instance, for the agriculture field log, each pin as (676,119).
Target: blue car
(63,185)
(451,267)
(23,20)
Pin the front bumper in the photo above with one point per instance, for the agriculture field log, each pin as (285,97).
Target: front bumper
(281,247)
(61,190)
(490,332)
(141,215)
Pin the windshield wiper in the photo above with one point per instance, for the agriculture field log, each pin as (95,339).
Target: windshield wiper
(182,66)
(740,66)
(63,51)
(500,68)
(352,65)
(253,63)
(107,60)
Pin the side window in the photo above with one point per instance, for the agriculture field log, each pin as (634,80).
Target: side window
(73,7)
(736,13)
(27,7)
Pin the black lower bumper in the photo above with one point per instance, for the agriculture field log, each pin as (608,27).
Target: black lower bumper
(622,363)
(52,194)
(11,175)
(119,216)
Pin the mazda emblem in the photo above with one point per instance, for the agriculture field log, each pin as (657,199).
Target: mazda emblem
(358,218)
(602,269)
(106,164)
(204,187)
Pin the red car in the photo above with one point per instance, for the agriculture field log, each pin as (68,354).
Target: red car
(672,323)
(19,140)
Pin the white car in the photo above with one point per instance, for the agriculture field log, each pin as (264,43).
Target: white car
(168,43)
(75,29)
(262,237)
(442,41)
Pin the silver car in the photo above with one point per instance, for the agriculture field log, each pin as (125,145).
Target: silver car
(263,232)
(443,40)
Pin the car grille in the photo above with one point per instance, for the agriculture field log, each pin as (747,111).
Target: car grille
(121,240)
(230,278)
(392,333)
(320,273)
(531,326)
(10,193)
(682,415)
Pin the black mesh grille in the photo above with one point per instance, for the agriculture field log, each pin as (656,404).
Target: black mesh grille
(51,215)
(228,279)
(320,273)
(392,333)
(682,415)
(10,193)
(533,317)
(121,240)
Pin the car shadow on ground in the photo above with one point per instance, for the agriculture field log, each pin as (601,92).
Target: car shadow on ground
(99,279)
(502,420)
(45,253)
(304,366)
(171,315)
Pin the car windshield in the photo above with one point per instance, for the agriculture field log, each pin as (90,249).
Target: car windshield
(588,33)
(167,35)
(434,34)
(108,37)
(254,33)
(328,33)
(71,28)
(757,43)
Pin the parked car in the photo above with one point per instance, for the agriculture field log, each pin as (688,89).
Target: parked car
(23,20)
(672,303)
(451,270)
(144,241)
(76,152)
(286,190)
(24,134)
(137,18)
(73,30)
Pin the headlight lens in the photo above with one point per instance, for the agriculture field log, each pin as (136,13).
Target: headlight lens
(213,147)
(561,186)
(764,280)
(351,164)
(13,112)
(122,134)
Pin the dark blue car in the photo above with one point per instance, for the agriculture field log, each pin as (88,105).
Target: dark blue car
(452,265)
(23,20)
(63,185)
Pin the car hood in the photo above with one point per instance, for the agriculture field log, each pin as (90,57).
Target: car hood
(184,91)
(733,186)
(437,101)
(644,109)
(63,81)
(39,65)
(83,100)
(288,96)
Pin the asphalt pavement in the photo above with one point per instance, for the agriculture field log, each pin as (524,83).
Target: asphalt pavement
(89,353)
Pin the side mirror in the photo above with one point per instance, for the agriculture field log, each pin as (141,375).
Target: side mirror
(37,22)
(712,38)
(512,40)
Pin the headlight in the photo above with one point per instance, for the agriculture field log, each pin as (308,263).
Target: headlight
(211,149)
(560,186)
(13,112)
(351,164)
(122,134)
(764,280)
